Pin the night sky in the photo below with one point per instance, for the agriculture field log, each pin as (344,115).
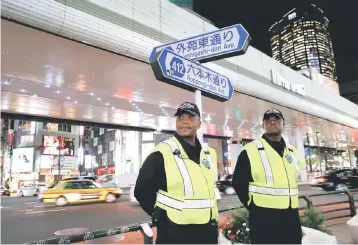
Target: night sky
(258,15)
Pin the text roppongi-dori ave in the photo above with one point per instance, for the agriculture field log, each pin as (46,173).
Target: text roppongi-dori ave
(179,71)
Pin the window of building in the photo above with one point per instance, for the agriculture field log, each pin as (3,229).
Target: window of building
(64,128)
(57,127)
(26,140)
(25,125)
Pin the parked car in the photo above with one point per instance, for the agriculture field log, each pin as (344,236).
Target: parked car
(32,189)
(4,191)
(224,184)
(336,180)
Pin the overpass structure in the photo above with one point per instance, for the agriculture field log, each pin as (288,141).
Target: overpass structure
(88,61)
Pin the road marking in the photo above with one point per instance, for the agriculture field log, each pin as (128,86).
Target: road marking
(27,203)
(42,206)
(4,207)
(44,211)
(25,210)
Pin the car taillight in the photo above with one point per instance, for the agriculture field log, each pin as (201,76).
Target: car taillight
(321,179)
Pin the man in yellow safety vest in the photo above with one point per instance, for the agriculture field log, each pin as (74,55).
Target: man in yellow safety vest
(265,181)
(176,185)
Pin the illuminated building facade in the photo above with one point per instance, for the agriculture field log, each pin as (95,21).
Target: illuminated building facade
(301,40)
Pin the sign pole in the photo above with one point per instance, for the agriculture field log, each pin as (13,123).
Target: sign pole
(198,102)
(59,163)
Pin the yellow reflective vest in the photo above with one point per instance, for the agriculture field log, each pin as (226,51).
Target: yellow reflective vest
(274,177)
(190,196)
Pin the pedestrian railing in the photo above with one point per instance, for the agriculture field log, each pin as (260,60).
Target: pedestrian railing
(145,228)
(86,236)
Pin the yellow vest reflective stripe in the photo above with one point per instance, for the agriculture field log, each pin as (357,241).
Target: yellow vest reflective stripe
(273,191)
(265,162)
(186,203)
(188,187)
(190,196)
(274,178)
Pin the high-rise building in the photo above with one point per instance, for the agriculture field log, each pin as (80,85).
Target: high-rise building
(187,4)
(301,40)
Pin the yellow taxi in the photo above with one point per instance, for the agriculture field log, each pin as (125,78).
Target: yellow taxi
(79,191)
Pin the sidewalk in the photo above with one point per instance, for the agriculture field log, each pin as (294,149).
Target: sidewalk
(338,228)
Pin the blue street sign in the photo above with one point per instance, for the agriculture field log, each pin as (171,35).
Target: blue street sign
(171,68)
(223,43)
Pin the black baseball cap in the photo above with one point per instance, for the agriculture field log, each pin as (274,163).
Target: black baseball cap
(188,107)
(273,112)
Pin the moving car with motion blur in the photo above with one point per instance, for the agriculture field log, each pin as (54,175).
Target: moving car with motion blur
(336,180)
(224,184)
(79,191)
(93,178)
(108,180)
(4,191)
(31,189)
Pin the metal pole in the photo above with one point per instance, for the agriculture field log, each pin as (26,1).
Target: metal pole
(309,152)
(4,134)
(351,202)
(319,152)
(59,162)
(325,159)
(349,156)
(198,102)
(5,146)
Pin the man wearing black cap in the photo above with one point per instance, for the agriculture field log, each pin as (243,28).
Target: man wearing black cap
(265,182)
(175,185)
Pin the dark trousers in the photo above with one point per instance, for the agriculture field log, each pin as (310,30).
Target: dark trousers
(274,226)
(171,233)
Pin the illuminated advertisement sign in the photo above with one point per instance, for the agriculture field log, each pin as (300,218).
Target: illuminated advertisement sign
(22,160)
(51,144)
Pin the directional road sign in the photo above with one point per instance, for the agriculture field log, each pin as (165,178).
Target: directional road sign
(171,68)
(223,43)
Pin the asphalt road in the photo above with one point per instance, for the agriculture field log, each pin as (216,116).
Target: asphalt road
(25,219)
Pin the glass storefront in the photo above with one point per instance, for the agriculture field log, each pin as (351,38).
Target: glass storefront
(325,159)
(45,152)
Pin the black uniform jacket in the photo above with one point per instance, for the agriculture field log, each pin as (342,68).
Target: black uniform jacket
(242,176)
(267,225)
(151,178)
